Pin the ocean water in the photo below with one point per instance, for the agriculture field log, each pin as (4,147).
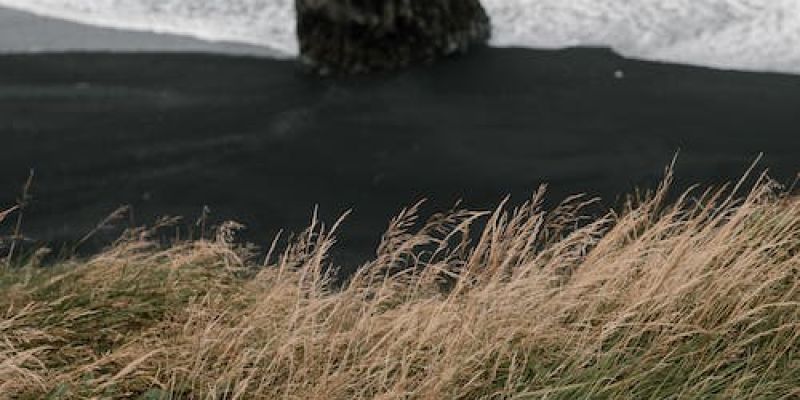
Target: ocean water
(757,35)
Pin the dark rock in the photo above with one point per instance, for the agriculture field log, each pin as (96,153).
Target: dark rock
(356,36)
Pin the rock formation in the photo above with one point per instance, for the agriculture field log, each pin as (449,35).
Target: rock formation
(357,36)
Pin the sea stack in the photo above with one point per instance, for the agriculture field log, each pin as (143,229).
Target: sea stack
(359,36)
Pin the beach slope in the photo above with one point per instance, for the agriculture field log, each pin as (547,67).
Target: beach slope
(260,141)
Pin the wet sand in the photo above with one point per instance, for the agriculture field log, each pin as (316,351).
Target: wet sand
(259,141)
(23,32)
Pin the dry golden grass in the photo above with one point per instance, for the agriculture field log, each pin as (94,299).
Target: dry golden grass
(6,213)
(696,299)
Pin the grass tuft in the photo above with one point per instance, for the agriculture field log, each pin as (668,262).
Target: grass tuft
(699,298)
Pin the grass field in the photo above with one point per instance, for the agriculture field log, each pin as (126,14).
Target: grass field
(695,299)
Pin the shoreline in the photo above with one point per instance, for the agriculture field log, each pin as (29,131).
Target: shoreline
(23,32)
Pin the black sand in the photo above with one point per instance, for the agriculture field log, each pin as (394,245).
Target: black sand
(259,141)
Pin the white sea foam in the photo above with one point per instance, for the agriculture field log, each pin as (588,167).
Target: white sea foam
(268,23)
(761,35)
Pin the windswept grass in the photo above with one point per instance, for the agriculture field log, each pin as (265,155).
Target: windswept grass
(695,299)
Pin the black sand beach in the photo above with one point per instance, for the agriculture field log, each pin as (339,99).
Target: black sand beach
(259,141)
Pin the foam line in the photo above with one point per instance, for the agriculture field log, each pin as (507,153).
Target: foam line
(759,35)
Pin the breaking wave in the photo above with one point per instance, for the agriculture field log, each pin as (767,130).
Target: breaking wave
(761,35)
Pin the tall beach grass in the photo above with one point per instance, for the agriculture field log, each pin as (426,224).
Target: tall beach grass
(695,299)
